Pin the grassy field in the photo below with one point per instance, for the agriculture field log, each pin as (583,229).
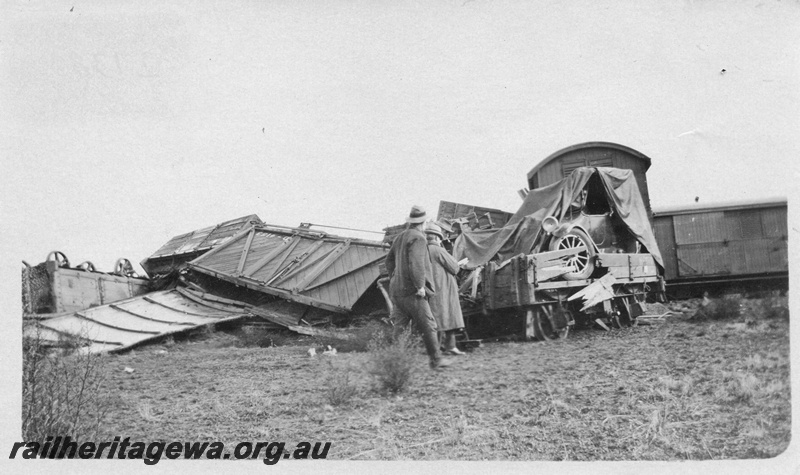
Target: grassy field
(681,389)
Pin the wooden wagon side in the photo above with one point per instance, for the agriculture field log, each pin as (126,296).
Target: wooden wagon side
(531,287)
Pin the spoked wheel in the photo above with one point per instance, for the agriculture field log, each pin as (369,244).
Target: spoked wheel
(87,266)
(583,261)
(624,312)
(543,330)
(543,323)
(124,267)
(59,258)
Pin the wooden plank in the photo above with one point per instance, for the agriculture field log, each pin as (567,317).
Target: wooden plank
(335,254)
(362,254)
(633,272)
(292,246)
(156,302)
(286,321)
(637,271)
(84,317)
(246,249)
(213,298)
(261,287)
(550,258)
(366,264)
(70,335)
(621,260)
(287,273)
(271,255)
(236,237)
(329,293)
(347,286)
(130,312)
(598,291)
(548,273)
(201,301)
(559,284)
(531,272)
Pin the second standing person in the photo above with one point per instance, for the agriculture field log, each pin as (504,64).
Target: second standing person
(444,303)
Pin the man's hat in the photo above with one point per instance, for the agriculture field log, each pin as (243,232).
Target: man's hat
(433,228)
(417,215)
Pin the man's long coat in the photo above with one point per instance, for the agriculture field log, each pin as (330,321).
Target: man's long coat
(444,303)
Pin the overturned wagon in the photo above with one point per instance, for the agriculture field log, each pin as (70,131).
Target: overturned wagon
(578,251)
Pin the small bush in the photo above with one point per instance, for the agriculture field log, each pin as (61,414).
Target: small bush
(775,307)
(726,308)
(392,360)
(63,392)
(340,385)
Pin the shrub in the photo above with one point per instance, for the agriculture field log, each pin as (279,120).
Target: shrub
(63,391)
(726,308)
(775,307)
(392,360)
(340,385)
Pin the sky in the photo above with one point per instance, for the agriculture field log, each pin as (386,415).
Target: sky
(127,123)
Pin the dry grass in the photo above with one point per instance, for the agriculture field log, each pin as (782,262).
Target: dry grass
(674,391)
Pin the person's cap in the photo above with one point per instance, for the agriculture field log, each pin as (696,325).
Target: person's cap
(417,215)
(433,228)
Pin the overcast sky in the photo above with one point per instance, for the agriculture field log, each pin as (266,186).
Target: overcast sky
(127,123)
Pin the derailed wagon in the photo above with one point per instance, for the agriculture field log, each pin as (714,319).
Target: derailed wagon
(578,251)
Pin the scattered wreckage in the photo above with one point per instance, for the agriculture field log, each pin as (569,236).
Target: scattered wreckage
(580,250)
(291,278)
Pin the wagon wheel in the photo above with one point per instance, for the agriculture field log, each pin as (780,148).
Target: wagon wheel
(546,324)
(554,324)
(124,267)
(561,322)
(543,330)
(582,262)
(87,266)
(615,321)
(59,258)
(533,325)
(624,312)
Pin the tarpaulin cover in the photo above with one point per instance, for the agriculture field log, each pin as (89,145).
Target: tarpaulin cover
(522,234)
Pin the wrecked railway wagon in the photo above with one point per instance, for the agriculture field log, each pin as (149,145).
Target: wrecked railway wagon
(579,250)
(317,273)
(56,287)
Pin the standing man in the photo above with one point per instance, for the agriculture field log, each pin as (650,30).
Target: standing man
(444,304)
(410,284)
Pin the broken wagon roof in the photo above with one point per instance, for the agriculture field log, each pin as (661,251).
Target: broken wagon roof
(309,267)
(187,246)
(133,321)
(204,238)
